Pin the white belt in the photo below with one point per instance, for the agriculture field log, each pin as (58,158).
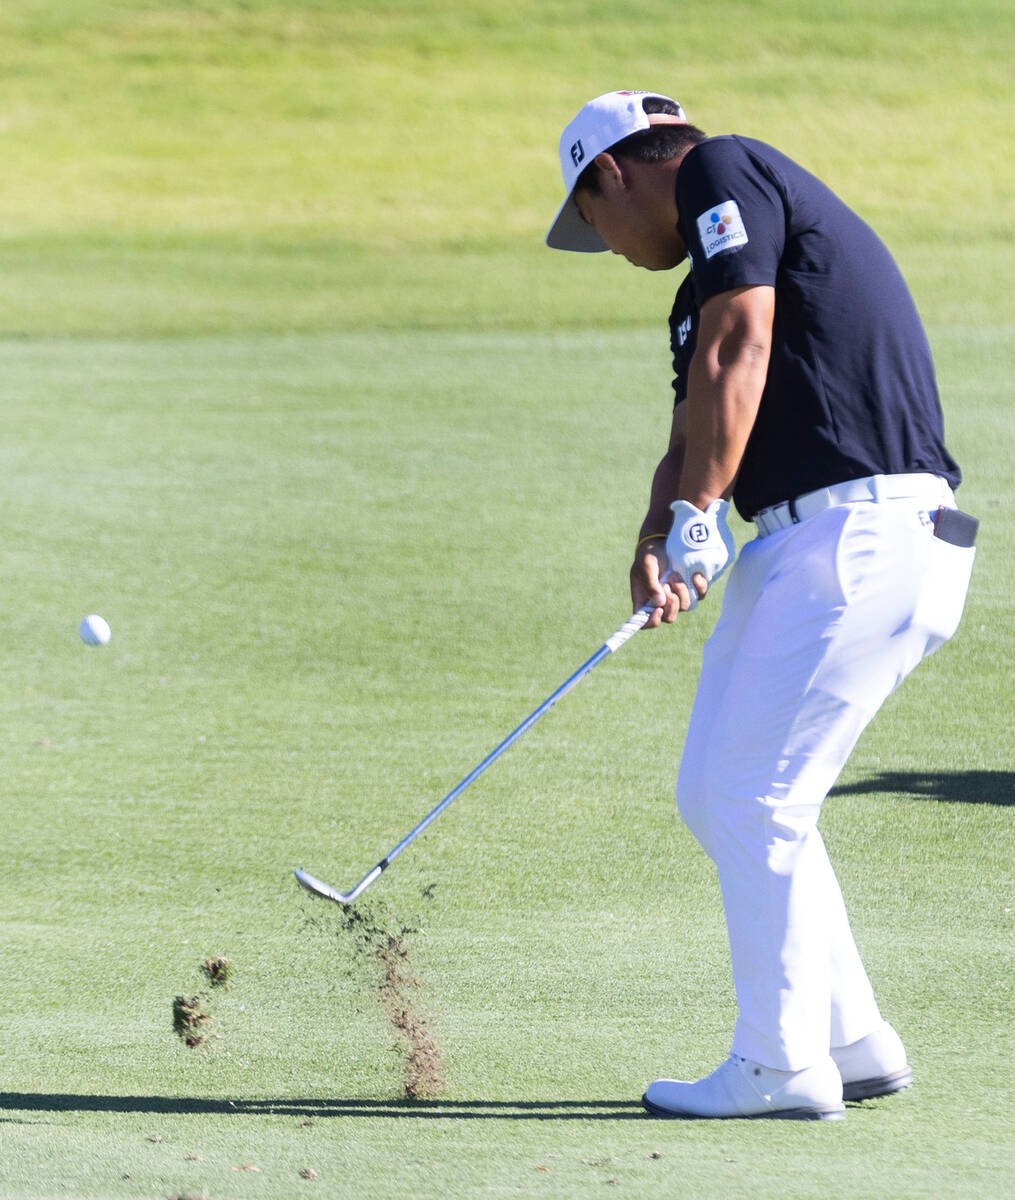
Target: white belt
(876,488)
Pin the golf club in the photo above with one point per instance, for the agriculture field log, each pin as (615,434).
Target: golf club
(627,630)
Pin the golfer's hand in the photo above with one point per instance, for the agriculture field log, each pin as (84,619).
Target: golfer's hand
(699,545)
(648,571)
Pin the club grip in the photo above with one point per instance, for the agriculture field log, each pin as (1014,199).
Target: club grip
(630,627)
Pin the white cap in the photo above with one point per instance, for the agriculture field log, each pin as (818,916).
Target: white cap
(602,123)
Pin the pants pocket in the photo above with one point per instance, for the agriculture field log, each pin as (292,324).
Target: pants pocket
(943,593)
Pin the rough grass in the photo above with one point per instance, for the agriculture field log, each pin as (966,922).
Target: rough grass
(271,166)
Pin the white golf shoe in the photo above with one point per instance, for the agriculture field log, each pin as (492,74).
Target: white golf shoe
(742,1088)
(874,1066)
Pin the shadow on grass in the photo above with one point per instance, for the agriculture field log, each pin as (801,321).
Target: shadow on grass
(445,1110)
(958,787)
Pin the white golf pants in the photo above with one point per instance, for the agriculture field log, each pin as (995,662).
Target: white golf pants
(820,622)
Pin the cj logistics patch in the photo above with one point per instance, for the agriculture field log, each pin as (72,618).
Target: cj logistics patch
(721,228)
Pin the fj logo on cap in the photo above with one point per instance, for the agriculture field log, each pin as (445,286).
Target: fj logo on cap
(721,228)
(578,153)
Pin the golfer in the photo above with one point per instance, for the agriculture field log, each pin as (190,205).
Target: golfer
(805,391)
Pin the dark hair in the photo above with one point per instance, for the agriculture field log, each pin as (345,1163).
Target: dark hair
(657,144)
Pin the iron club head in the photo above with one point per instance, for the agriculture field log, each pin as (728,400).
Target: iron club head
(318,888)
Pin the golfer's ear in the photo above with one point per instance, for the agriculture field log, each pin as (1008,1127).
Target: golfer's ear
(609,170)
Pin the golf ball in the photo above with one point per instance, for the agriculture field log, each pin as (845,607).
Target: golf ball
(95,630)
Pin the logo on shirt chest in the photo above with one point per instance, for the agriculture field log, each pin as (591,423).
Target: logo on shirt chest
(721,228)
(684,330)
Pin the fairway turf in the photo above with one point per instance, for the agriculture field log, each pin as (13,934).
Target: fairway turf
(305,657)
(295,398)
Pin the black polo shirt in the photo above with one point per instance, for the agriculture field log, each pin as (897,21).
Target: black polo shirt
(850,389)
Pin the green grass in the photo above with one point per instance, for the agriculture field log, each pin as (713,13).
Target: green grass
(258,165)
(339,569)
(296,399)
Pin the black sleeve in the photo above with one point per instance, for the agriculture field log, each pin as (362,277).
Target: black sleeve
(732,217)
(683,337)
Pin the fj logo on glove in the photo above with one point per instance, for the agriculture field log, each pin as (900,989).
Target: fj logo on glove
(699,542)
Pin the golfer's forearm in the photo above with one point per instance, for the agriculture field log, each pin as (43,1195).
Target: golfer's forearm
(720,418)
(665,489)
(725,382)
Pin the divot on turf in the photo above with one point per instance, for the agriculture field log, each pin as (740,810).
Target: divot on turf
(381,943)
(217,970)
(192,1020)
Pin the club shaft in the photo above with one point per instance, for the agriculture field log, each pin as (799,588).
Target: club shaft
(627,630)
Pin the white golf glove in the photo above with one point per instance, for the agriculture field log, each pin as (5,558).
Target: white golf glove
(699,542)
